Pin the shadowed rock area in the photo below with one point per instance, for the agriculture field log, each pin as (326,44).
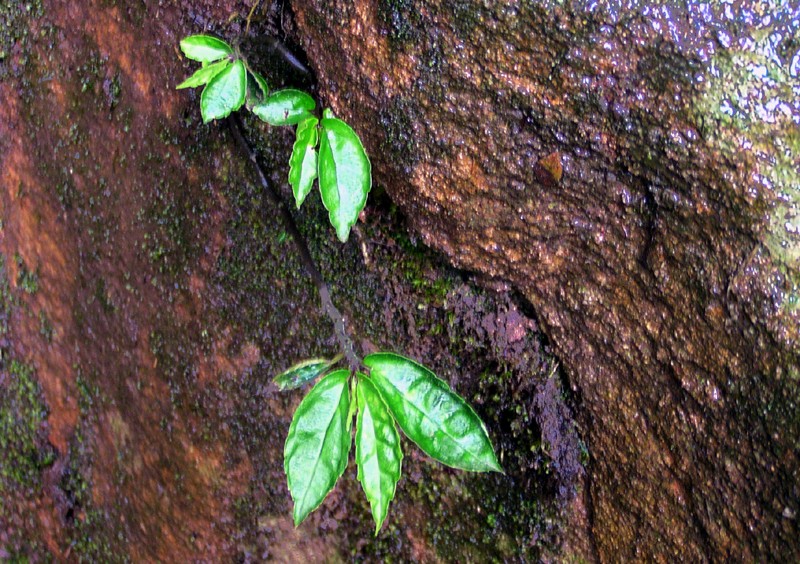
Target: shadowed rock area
(661,261)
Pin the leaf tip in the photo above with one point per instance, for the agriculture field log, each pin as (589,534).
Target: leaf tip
(297,517)
(343,234)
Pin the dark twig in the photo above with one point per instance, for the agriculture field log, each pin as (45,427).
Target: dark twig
(339,327)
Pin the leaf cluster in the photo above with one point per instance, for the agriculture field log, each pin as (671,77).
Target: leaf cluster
(397,392)
(326,149)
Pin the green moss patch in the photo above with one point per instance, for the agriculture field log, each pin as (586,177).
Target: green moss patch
(750,106)
(22,413)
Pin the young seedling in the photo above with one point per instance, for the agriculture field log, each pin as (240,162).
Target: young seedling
(383,391)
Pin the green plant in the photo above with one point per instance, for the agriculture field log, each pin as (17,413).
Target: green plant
(383,390)
(396,391)
(326,149)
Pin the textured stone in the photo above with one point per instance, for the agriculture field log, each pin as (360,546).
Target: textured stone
(663,263)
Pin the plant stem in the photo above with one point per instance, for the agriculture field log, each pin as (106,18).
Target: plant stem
(339,327)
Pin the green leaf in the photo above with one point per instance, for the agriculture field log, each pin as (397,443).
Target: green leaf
(378,453)
(204,74)
(205,48)
(303,372)
(303,162)
(438,420)
(318,443)
(257,90)
(262,84)
(285,107)
(224,93)
(345,174)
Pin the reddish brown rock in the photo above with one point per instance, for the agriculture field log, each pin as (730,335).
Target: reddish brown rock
(150,294)
(646,263)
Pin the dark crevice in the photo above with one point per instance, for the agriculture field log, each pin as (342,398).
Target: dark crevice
(340,329)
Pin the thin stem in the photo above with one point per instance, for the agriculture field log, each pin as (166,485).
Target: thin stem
(339,327)
(249,17)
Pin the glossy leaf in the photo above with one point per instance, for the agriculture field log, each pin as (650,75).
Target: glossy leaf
(285,107)
(262,84)
(438,420)
(378,453)
(345,174)
(224,93)
(303,162)
(303,372)
(204,74)
(316,450)
(257,90)
(205,48)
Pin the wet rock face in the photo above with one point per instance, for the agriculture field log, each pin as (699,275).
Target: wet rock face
(661,259)
(148,295)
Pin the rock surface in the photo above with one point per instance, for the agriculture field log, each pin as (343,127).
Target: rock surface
(148,296)
(662,259)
